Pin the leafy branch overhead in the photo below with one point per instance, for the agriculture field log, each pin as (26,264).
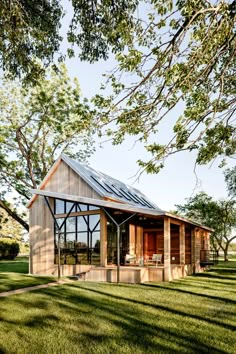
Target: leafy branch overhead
(176,67)
(37,124)
(179,57)
(28,30)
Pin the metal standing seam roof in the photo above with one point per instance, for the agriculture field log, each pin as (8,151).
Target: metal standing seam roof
(110,187)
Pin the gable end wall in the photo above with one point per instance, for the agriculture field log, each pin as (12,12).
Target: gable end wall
(64,180)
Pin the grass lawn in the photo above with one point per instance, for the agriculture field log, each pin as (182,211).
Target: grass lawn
(192,315)
(13,275)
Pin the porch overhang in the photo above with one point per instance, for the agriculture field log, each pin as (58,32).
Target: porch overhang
(128,208)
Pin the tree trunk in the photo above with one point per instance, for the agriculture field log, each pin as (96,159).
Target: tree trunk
(226,252)
(14,215)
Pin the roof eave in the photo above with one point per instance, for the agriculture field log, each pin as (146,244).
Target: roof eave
(178,217)
(114,205)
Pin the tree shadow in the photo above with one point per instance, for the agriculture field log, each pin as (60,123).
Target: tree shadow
(137,326)
(207,296)
(164,308)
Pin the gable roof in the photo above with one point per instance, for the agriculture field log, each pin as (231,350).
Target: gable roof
(109,187)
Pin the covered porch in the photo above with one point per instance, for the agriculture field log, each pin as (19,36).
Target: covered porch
(101,240)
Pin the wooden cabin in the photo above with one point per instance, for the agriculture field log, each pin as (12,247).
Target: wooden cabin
(85,223)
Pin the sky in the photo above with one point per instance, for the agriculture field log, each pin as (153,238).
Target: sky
(176,182)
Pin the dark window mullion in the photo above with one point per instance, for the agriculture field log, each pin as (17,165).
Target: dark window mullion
(88,238)
(76,228)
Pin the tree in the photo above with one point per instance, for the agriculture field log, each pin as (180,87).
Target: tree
(230,178)
(172,56)
(219,215)
(37,124)
(28,30)
(180,56)
(10,228)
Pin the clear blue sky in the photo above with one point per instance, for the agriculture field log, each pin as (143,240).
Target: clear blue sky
(175,182)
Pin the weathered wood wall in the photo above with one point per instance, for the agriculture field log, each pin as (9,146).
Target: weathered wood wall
(63,180)
(188,245)
(175,243)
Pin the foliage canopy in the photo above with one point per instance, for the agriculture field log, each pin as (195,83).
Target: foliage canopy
(219,215)
(181,57)
(37,124)
(28,30)
(172,56)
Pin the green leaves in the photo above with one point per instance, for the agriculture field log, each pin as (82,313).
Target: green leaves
(230,178)
(98,26)
(219,215)
(178,66)
(37,124)
(28,30)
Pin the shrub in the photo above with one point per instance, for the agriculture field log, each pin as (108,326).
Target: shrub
(9,249)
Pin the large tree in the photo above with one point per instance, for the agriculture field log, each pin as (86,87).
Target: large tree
(176,65)
(217,214)
(37,124)
(173,56)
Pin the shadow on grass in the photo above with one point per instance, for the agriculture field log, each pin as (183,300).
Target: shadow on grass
(207,296)
(105,318)
(167,309)
(135,328)
(213,274)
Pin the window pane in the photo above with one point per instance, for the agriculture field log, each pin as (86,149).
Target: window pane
(93,220)
(81,224)
(70,224)
(70,259)
(59,222)
(62,240)
(96,240)
(60,206)
(68,206)
(91,207)
(82,207)
(82,240)
(70,239)
(82,248)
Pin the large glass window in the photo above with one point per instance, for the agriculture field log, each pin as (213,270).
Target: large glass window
(79,236)
(59,206)
(112,243)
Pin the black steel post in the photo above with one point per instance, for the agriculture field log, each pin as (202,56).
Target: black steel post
(59,256)
(118,240)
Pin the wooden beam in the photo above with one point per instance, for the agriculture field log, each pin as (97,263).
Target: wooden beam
(175,222)
(167,268)
(182,243)
(79,213)
(103,239)
(113,200)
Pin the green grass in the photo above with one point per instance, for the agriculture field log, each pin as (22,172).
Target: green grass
(19,265)
(13,275)
(192,315)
